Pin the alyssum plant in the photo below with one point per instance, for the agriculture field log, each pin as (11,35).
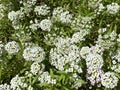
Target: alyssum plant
(59,45)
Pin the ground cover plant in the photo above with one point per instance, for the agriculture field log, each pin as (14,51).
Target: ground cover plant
(59,45)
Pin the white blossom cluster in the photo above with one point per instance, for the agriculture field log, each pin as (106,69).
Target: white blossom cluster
(34,53)
(46,25)
(84,51)
(34,25)
(37,68)
(60,15)
(80,23)
(94,3)
(12,47)
(46,78)
(109,80)
(42,10)
(30,88)
(116,67)
(100,8)
(17,83)
(71,50)
(106,41)
(5,87)
(113,8)
(15,17)
(116,62)
(79,36)
(12,15)
(31,2)
(65,53)
(94,63)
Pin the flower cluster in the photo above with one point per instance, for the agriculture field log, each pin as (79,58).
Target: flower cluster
(113,8)
(42,10)
(60,15)
(60,45)
(64,54)
(5,87)
(36,68)
(12,47)
(35,53)
(46,78)
(94,63)
(46,25)
(109,80)
(18,82)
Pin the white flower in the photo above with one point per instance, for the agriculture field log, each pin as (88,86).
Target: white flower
(65,17)
(46,78)
(31,2)
(46,25)
(116,68)
(60,15)
(109,80)
(113,35)
(113,8)
(96,49)
(12,15)
(65,54)
(94,61)
(84,51)
(5,87)
(79,36)
(30,88)
(34,53)
(56,13)
(17,82)
(36,68)
(81,24)
(42,10)
(101,7)
(12,47)
(93,3)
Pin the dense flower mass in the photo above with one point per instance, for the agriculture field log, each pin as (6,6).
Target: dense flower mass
(46,25)
(59,44)
(12,47)
(60,56)
(109,80)
(42,10)
(113,8)
(35,53)
(17,82)
(36,68)
(59,14)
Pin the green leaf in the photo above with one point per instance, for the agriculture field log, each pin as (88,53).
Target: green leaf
(82,81)
(34,80)
(118,75)
(51,73)
(61,72)
(65,88)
